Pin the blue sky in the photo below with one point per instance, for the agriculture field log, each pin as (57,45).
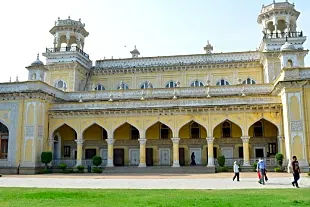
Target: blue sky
(157,27)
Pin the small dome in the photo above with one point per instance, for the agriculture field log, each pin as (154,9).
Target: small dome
(287,47)
(37,61)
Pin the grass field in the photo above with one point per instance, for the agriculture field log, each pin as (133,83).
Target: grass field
(35,197)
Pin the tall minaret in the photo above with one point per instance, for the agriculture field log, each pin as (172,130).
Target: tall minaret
(279,25)
(135,53)
(69,41)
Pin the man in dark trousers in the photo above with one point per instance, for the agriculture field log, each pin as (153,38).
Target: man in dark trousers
(296,171)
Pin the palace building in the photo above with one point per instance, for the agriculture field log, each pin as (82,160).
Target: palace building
(158,111)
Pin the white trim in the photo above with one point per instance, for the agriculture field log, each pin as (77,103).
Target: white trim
(159,155)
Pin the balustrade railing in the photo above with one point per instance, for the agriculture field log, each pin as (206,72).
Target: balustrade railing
(270,161)
(67,49)
(69,162)
(282,35)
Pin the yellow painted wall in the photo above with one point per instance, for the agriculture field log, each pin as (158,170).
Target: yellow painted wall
(185,132)
(153,132)
(306,105)
(269,129)
(122,132)
(66,132)
(28,155)
(94,132)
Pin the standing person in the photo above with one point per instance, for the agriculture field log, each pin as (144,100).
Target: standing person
(296,171)
(236,171)
(193,162)
(261,168)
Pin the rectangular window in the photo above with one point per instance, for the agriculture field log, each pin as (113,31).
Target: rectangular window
(240,152)
(90,153)
(272,148)
(4,148)
(195,133)
(67,150)
(164,133)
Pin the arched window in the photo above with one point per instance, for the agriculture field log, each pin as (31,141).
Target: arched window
(289,63)
(122,85)
(258,129)
(226,129)
(164,131)
(195,130)
(99,87)
(171,84)
(4,141)
(197,83)
(249,81)
(146,84)
(60,84)
(134,133)
(222,82)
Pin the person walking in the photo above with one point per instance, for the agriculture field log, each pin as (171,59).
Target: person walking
(261,168)
(193,162)
(296,172)
(236,171)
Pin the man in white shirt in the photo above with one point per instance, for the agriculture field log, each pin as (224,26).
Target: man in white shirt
(236,171)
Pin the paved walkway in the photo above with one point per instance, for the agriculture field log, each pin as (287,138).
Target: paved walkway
(191,181)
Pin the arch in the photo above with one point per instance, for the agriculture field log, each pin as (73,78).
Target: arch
(158,130)
(63,124)
(162,122)
(192,129)
(95,132)
(99,87)
(171,84)
(266,119)
(197,83)
(289,63)
(123,86)
(146,84)
(222,82)
(4,140)
(227,129)
(126,130)
(263,128)
(60,84)
(249,81)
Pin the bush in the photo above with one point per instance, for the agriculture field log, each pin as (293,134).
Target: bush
(80,168)
(308,173)
(223,169)
(254,166)
(97,161)
(97,170)
(46,157)
(279,158)
(277,169)
(63,167)
(46,171)
(221,161)
(69,171)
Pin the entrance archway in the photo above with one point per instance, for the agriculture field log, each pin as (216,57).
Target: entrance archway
(4,141)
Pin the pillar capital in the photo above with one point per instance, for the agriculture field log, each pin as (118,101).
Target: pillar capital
(51,141)
(110,141)
(175,140)
(142,141)
(79,141)
(245,139)
(281,138)
(210,140)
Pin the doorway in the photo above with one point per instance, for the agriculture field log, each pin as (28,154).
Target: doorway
(134,157)
(197,153)
(164,156)
(259,152)
(118,157)
(149,157)
(182,156)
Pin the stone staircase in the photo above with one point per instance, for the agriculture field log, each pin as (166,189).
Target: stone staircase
(161,169)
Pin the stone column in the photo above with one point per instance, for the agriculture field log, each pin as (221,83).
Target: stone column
(79,148)
(281,145)
(210,152)
(142,152)
(51,145)
(246,153)
(110,142)
(175,142)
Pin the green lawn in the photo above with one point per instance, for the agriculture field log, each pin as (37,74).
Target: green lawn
(23,197)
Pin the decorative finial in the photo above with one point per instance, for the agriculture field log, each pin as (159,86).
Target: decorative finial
(38,56)
(79,19)
(274,1)
(58,18)
(16,78)
(68,17)
(286,39)
(135,47)
(208,43)
(10,79)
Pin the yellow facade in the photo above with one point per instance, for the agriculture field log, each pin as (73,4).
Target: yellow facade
(159,111)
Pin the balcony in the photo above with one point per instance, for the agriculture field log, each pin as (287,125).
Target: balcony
(283,35)
(67,49)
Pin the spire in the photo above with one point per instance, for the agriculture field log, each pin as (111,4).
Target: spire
(38,56)
(135,53)
(208,48)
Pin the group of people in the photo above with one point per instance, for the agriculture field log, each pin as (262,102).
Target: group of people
(262,172)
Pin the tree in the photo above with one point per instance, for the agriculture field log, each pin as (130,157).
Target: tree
(97,161)
(279,158)
(46,157)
